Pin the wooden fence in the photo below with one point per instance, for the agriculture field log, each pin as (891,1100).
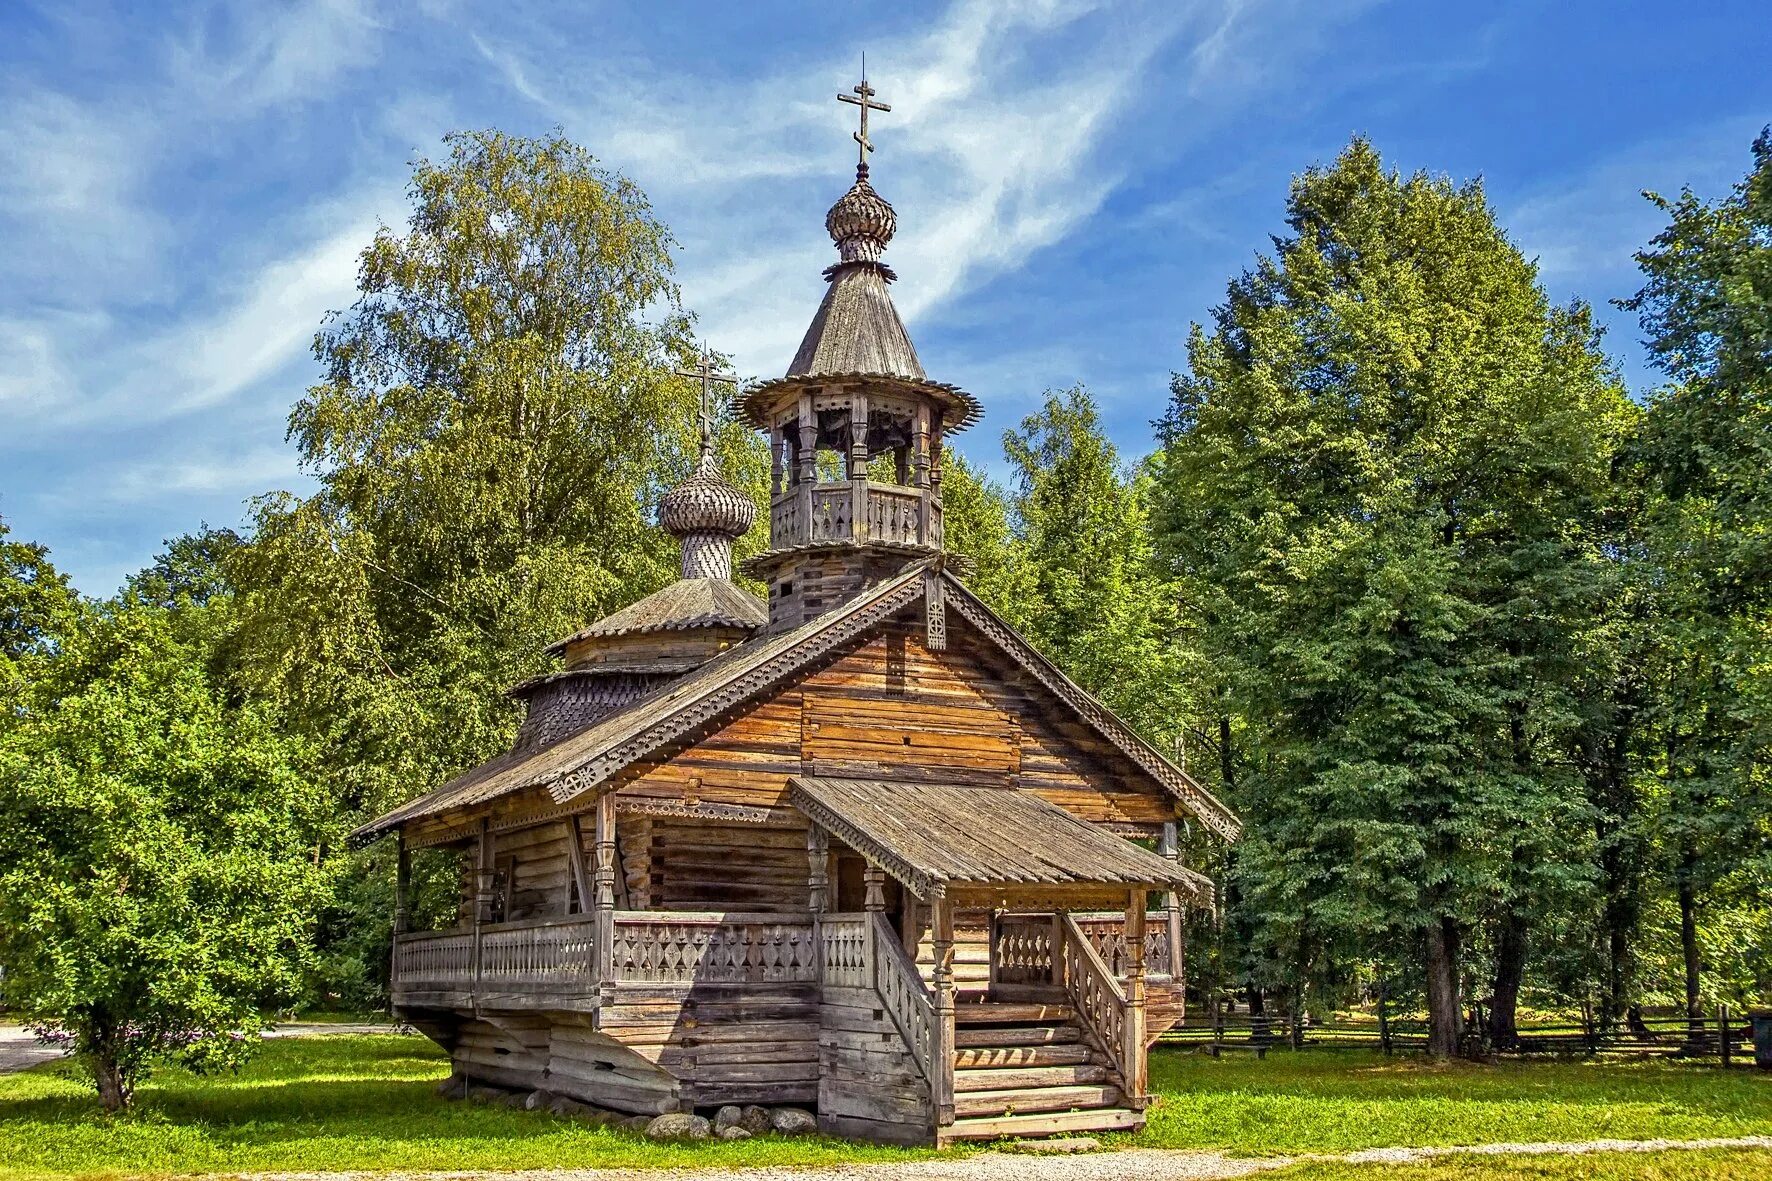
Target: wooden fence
(1722,1037)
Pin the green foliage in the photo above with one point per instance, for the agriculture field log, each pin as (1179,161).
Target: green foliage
(1093,599)
(38,610)
(499,414)
(1706,462)
(159,864)
(1379,478)
(976,526)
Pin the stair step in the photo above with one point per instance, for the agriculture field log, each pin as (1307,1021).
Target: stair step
(995,1013)
(1035,1035)
(1025,1100)
(994,1057)
(1004,1079)
(992,1127)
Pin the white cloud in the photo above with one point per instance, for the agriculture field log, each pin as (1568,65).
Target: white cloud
(1585,229)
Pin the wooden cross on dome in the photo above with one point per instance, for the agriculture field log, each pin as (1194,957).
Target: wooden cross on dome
(864,98)
(707,374)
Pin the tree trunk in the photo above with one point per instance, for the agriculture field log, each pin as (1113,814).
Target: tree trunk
(113,1094)
(1442,988)
(1510,967)
(1689,948)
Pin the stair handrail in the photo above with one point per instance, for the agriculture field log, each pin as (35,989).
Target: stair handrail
(1100,1003)
(908,1000)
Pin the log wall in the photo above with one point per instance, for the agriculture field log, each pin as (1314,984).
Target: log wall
(869,1085)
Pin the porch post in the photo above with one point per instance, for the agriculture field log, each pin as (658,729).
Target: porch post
(874,878)
(1134,1067)
(402,886)
(575,857)
(818,859)
(482,892)
(603,887)
(1175,916)
(942,944)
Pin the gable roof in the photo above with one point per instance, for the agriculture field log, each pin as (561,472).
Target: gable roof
(591,756)
(930,835)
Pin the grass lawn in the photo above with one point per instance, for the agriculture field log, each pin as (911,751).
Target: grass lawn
(1708,1165)
(1344,1100)
(366,1102)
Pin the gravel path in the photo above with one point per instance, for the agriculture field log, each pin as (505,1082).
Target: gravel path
(1138,1164)
(18,1049)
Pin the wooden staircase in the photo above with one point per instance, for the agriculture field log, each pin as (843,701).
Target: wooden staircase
(1026,1069)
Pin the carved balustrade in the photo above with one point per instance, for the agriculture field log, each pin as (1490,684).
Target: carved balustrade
(1106,932)
(810,514)
(676,947)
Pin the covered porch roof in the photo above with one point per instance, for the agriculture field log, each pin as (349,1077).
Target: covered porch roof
(934,836)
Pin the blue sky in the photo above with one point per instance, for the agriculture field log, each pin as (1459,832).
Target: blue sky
(184,186)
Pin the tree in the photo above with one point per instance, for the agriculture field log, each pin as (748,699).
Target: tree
(38,610)
(976,526)
(158,869)
(1706,310)
(497,417)
(1378,478)
(1094,600)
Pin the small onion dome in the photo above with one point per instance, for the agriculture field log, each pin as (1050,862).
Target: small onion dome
(861,223)
(706,502)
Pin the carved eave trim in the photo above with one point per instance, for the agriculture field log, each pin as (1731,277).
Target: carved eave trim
(923,885)
(727,696)
(1202,803)
(726,813)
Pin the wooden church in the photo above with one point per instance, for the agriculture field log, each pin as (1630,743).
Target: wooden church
(859,848)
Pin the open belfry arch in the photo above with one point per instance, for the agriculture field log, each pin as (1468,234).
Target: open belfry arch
(857,848)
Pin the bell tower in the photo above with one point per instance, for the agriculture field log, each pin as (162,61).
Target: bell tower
(855,427)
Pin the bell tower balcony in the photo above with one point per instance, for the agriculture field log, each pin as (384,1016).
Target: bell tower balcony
(859,511)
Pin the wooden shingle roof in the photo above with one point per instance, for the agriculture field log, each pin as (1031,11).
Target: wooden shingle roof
(857,330)
(930,835)
(686,603)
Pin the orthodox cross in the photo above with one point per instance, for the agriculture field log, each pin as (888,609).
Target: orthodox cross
(707,374)
(864,98)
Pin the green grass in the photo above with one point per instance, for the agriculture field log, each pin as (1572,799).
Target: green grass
(1722,1164)
(1344,1100)
(344,1102)
(356,1102)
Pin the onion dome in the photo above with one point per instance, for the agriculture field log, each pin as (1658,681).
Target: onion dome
(861,223)
(706,502)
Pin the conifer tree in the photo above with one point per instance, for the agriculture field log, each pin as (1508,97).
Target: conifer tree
(1379,475)
(1706,310)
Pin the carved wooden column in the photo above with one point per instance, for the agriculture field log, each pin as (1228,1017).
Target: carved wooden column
(874,879)
(603,887)
(1174,916)
(858,467)
(805,475)
(402,886)
(777,455)
(920,471)
(1134,1066)
(818,858)
(482,893)
(942,945)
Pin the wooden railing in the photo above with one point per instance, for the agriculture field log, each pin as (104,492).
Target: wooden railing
(1024,949)
(895,514)
(843,950)
(679,947)
(843,511)
(1106,932)
(544,955)
(906,999)
(434,961)
(1102,1006)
